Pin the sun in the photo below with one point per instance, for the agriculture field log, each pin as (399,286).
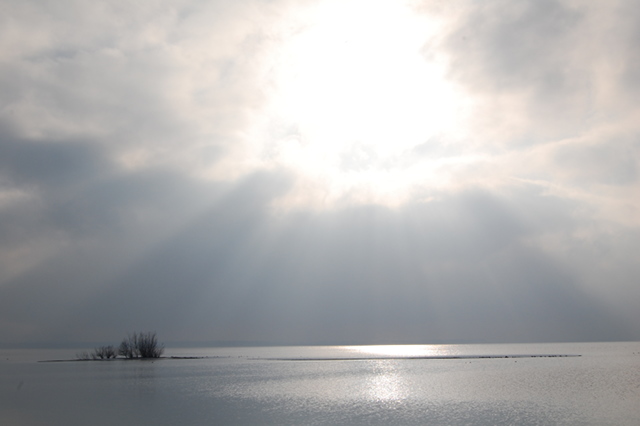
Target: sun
(354,101)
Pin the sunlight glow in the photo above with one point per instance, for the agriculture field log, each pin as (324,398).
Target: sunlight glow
(354,97)
(402,351)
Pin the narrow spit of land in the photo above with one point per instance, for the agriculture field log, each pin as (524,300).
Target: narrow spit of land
(373,358)
(376,358)
(132,359)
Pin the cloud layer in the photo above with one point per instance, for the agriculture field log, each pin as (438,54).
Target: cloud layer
(136,194)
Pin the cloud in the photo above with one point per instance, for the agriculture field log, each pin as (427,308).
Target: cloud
(136,192)
(159,83)
(462,268)
(541,68)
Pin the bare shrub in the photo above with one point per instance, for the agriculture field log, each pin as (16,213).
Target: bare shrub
(104,352)
(83,356)
(101,352)
(148,345)
(128,346)
(141,345)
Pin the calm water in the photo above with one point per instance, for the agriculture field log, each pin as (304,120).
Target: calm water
(327,386)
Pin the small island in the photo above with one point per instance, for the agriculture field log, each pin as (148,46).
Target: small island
(134,346)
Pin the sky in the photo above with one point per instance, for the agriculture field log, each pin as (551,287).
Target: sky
(319,171)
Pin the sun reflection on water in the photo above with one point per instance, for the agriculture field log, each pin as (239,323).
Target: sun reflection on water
(386,383)
(402,351)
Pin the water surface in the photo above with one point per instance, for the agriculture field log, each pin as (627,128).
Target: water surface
(330,385)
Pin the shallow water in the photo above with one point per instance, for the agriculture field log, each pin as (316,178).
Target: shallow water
(328,386)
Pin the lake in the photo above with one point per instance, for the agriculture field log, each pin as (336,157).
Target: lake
(330,385)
